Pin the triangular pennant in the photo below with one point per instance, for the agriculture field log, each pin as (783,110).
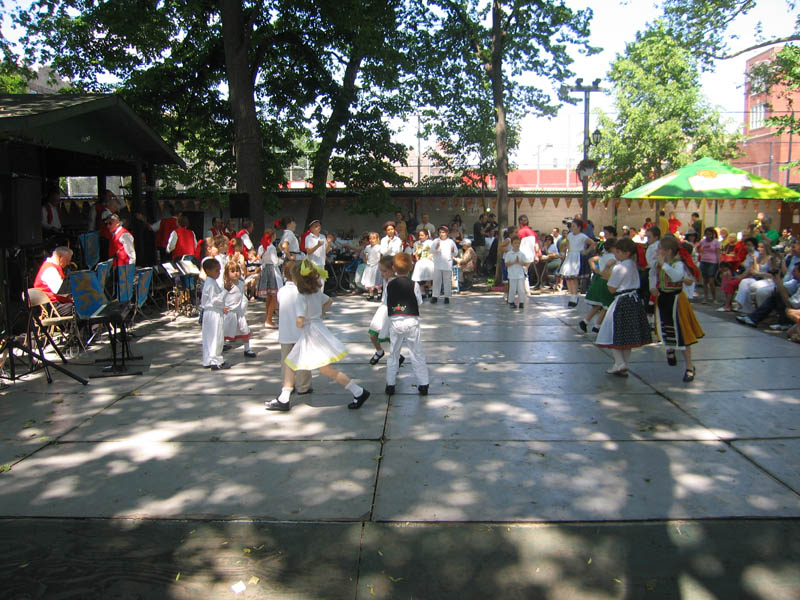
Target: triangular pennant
(518,202)
(555,202)
(444,202)
(641,203)
(544,202)
(531,201)
(721,203)
(732,202)
(745,202)
(568,201)
(756,204)
(580,203)
(616,202)
(593,202)
(710,203)
(628,201)
(652,204)
(698,202)
(686,203)
(469,202)
(456,202)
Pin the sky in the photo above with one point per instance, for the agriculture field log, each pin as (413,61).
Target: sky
(546,143)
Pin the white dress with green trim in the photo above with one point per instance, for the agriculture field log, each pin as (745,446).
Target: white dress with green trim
(317,346)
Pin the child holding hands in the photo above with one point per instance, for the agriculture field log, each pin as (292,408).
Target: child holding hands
(213,304)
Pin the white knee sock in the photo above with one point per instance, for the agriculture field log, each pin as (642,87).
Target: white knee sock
(354,389)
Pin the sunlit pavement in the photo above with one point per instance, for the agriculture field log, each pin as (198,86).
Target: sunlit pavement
(528,472)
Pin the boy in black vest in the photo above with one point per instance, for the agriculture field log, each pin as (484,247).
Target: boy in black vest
(402,300)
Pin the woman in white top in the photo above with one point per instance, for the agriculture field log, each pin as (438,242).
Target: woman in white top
(579,244)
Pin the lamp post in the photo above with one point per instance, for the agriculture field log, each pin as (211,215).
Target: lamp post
(586,167)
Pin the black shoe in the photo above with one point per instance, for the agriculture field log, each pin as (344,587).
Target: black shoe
(434,300)
(672,360)
(389,391)
(447,300)
(521,304)
(512,305)
(688,375)
(423,390)
(221,367)
(376,357)
(358,401)
(401,361)
(582,326)
(249,354)
(308,391)
(572,304)
(226,347)
(595,330)
(276,404)
(207,366)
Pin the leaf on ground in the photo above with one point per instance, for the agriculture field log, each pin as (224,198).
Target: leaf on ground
(247,550)
(371,589)
(214,439)
(394,579)
(380,553)
(588,562)
(45,438)
(178,576)
(5,467)
(29,423)
(253,580)
(58,401)
(377,457)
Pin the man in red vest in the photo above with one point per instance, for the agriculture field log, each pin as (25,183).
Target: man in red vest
(164,229)
(182,241)
(51,276)
(244,234)
(120,246)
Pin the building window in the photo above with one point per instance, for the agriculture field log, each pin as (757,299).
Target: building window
(758,77)
(758,113)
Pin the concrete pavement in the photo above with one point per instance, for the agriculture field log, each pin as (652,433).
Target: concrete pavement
(528,472)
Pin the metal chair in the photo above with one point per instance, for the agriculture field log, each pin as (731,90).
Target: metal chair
(48,322)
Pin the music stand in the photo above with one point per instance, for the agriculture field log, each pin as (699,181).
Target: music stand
(11,343)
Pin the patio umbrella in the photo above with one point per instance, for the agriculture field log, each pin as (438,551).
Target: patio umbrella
(709,178)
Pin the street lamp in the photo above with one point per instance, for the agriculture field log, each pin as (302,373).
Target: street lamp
(586,167)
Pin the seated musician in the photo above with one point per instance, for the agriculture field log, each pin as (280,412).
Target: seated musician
(50,278)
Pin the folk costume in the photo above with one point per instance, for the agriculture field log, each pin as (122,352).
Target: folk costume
(270,280)
(391,245)
(121,247)
(516,276)
(317,346)
(571,267)
(181,242)
(402,301)
(234,322)
(423,269)
(676,324)
(598,294)
(625,325)
(212,302)
(371,277)
(379,325)
(443,252)
(289,334)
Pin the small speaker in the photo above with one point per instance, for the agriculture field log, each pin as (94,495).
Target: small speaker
(239,205)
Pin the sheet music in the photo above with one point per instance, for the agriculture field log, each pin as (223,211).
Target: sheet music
(170,269)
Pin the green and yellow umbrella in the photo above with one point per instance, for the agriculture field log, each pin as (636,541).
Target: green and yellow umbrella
(709,178)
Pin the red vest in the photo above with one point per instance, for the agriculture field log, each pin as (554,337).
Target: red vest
(216,232)
(115,248)
(40,284)
(241,233)
(185,244)
(165,229)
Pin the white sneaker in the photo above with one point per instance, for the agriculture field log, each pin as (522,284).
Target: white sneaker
(723,309)
(779,327)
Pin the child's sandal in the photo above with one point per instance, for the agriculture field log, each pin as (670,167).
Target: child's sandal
(672,360)
(376,357)
(688,375)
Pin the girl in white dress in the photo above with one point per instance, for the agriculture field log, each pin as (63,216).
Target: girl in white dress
(391,244)
(317,347)
(625,325)
(371,278)
(234,321)
(423,269)
(578,244)
(271,279)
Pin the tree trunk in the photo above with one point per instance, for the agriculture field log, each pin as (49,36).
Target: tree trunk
(247,142)
(495,72)
(338,118)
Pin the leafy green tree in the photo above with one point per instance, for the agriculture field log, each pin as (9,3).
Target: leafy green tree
(473,56)
(663,121)
(702,26)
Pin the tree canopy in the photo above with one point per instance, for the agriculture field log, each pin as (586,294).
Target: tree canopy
(663,122)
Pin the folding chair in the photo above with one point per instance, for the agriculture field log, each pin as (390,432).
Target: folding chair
(48,323)
(90,247)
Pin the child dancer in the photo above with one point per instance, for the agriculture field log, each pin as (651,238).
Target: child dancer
(516,264)
(423,270)
(371,277)
(213,305)
(270,281)
(288,334)
(234,322)
(379,326)
(579,244)
(598,296)
(403,299)
(443,250)
(676,324)
(317,348)
(625,326)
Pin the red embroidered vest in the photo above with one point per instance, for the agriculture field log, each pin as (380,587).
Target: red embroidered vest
(115,248)
(185,244)
(40,284)
(165,229)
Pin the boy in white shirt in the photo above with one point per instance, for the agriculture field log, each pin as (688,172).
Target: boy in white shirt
(443,251)
(517,266)
(213,305)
